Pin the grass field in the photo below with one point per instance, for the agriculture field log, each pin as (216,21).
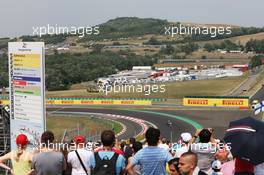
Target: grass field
(242,58)
(216,87)
(87,125)
(238,39)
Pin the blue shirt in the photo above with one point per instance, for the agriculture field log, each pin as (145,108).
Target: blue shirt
(120,163)
(152,160)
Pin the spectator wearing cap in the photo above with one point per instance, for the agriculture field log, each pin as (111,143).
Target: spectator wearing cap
(216,166)
(79,159)
(20,158)
(205,149)
(49,161)
(227,162)
(152,159)
(184,147)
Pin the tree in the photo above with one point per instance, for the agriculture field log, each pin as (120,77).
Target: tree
(255,61)
(4,71)
(153,41)
(63,70)
(168,50)
(204,57)
(189,48)
(97,48)
(209,47)
(255,46)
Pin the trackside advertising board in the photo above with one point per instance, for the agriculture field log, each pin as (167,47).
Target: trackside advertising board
(220,102)
(99,102)
(27,90)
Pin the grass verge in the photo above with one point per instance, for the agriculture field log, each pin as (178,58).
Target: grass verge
(216,87)
(86,125)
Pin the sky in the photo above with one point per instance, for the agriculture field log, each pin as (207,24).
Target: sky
(18,17)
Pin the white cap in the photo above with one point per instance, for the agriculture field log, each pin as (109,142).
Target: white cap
(186,137)
(216,165)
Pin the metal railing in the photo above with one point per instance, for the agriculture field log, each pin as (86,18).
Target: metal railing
(5,134)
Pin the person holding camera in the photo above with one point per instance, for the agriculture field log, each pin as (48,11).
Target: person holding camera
(205,148)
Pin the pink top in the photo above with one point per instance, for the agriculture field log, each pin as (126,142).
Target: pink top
(228,168)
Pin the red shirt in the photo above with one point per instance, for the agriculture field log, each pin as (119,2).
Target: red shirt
(117,151)
(243,166)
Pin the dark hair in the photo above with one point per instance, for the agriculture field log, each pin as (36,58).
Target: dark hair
(137,146)
(47,137)
(132,140)
(164,140)
(205,136)
(122,145)
(192,154)
(175,163)
(108,138)
(152,136)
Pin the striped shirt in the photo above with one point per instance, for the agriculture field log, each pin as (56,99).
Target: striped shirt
(152,160)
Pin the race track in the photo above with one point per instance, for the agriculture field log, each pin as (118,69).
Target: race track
(217,119)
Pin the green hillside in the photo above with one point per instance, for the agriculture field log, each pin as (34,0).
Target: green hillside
(129,27)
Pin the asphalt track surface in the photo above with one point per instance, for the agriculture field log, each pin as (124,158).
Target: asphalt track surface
(245,86)
(259,95)
(216,119)
(133,128)
(159,121)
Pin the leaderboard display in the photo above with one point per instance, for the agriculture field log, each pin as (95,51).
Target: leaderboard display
(27,90)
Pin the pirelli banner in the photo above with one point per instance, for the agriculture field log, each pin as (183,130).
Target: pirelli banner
(4,102)
(98,102)
(91,102)
(241,102)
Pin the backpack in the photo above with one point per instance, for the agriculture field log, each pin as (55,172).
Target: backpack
(105,166)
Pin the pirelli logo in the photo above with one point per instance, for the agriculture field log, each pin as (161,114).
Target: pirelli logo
(129,102)
(67,102)
(233,102)
(107,102)
(87,102)
(50,102)
(198,102)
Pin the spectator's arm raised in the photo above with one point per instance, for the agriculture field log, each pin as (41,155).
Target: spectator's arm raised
(212,139)
(195,136)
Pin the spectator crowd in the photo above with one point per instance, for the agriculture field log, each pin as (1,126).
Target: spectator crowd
(194,154)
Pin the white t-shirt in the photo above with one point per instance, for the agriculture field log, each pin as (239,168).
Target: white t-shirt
(77,168)
(165,146)
(259,169)
(181,150)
